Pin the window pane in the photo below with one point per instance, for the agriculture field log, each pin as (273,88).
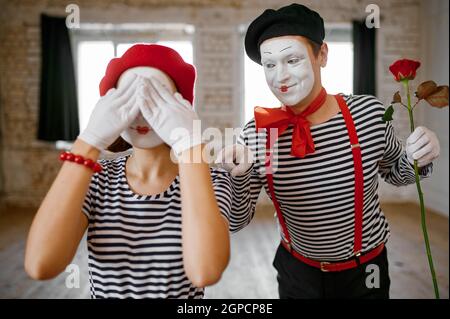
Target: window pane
(184,48)
(122,47)
(93,57)
(257,93)
(337,76)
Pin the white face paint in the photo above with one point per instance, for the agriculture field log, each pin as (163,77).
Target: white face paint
(288,69)
(140,134)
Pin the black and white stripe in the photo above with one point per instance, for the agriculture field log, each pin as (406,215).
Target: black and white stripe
(316,193)
(134,241)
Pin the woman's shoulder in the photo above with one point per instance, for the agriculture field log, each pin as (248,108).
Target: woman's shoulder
(112,165)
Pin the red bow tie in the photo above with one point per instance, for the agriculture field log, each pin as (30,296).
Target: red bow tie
(302,142)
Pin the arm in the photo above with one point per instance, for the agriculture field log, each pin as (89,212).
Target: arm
(246,185)
(59,224)
(205,238)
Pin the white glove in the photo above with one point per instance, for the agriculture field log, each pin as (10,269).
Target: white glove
(422,145)
(112,114)
(236,159)
(170,115)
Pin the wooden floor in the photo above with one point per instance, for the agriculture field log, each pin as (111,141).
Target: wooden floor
(250,273)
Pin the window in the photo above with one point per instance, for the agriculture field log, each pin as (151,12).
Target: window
(337,76)
(96,45)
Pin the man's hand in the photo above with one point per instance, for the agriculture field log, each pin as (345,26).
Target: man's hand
(236,159)
(422,145)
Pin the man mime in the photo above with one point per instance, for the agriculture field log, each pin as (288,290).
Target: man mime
(318,157)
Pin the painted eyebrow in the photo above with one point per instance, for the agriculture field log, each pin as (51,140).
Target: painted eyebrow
(286,48)
(267,52)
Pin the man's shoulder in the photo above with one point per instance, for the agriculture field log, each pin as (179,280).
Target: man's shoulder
(364,102)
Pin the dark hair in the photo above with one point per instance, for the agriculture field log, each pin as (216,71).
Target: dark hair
(314,46)
(119,145)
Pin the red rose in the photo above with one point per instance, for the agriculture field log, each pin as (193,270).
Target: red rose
(404,69)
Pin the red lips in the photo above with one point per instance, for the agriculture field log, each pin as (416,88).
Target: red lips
(142,130)
(284,88)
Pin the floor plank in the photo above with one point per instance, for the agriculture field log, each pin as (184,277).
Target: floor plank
(250,273)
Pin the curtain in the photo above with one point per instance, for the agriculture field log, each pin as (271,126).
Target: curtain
(363,58)
(58,105)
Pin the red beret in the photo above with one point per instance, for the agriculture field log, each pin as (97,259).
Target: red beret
(158,57)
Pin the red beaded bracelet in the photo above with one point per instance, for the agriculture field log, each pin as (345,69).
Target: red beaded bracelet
(67,156)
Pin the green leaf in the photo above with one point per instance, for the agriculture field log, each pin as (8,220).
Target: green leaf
(387,116)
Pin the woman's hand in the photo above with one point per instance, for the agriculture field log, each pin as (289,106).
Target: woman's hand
(170,115)
(112,114)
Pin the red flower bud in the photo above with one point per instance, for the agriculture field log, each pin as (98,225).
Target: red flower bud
(404,69)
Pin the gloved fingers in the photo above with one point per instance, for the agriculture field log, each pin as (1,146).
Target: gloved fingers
(145,108)
(163,92)
(134,109)
(422,152)
(182,100)
(153,93)
(128,111)
(125,86)
(418,132)
(228,167)
(221,161)
(239,169)
(225,156)
(142,88)
(243,154)
(229,155)
(109,92)
(420,143)
(427,159)
(219,157)
(129,93)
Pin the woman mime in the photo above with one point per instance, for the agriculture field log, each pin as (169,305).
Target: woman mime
(155,228)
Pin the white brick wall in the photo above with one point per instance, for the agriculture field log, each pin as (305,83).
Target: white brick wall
(29,166)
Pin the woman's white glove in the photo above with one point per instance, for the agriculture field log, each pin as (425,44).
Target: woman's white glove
(236,159)
(422,145)
(170,115)
(112,114)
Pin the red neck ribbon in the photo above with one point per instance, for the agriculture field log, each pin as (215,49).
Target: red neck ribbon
(281,118)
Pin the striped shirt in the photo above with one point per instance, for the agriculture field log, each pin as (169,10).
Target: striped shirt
(134,241)
(316,193)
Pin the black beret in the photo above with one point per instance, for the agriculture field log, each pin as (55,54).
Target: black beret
(295,19)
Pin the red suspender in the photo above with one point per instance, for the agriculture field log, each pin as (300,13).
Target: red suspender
(359,179)
(268,164)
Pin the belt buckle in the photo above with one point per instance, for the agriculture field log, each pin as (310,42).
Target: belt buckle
(357,258)
(322,266)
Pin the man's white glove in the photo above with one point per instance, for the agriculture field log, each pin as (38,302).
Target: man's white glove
(236,159)
(170,115)
(112,114)
(422,145)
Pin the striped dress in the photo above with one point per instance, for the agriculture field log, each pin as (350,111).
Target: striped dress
(316,193)
(134,241)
